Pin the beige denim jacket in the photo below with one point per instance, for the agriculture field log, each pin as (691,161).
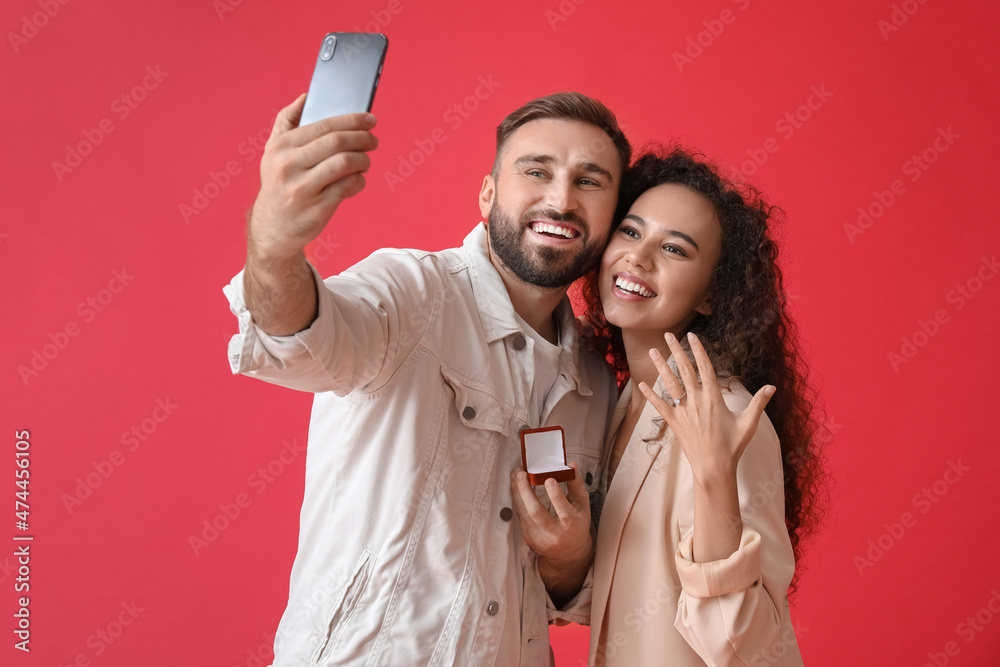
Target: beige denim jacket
(422,376)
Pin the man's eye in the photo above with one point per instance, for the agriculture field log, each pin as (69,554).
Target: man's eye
(588,181)
(535,172)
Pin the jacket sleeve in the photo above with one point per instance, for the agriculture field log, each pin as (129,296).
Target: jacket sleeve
(730,611)
(369,319)
(577,610)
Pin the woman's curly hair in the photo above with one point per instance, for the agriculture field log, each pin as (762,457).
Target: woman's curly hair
(749,335)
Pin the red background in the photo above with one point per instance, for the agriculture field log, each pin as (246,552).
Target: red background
(898,427)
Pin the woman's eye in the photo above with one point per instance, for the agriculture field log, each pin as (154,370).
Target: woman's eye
(628,231)
(675,249)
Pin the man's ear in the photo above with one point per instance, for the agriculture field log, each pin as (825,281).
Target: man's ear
(486,196)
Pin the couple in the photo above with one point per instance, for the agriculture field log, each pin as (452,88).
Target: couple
(421,542)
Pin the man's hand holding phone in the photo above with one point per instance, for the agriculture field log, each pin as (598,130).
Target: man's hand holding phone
(306,172)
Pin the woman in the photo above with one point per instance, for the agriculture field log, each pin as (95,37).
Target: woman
(703,506)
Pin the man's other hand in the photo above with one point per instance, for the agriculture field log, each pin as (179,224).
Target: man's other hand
(562,542)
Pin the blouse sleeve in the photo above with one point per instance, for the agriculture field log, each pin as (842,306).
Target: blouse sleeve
(730,611)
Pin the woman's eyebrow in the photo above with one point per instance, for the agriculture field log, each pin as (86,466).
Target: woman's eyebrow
(673,232)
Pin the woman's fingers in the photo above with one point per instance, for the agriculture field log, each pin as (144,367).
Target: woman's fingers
(683,364)
(750,417)
(670,381)
(665,409)
(705,369)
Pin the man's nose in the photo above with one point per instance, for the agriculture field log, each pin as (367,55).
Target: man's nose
(561,195)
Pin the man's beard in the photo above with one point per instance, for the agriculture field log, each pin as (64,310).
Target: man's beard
(543,266)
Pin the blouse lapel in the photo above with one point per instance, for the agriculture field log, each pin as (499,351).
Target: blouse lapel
(632,470)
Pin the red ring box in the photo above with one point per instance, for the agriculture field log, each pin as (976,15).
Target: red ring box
(543,454)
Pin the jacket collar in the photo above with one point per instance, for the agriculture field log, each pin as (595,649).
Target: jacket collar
(496,312)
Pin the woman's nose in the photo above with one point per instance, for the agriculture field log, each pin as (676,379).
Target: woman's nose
(639,255)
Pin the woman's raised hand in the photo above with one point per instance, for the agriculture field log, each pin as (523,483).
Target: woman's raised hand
(712,436)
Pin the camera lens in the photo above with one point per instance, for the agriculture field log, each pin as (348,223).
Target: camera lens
(328,45)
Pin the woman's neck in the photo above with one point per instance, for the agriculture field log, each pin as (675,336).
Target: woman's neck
(640,366)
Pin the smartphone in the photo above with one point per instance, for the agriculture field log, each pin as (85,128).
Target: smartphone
(346,75)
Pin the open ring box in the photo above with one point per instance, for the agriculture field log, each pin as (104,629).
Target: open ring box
(543,453)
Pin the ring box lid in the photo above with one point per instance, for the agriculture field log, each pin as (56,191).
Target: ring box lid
(543,454)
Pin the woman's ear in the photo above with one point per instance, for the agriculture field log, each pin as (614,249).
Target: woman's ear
(486,195)
(705,307)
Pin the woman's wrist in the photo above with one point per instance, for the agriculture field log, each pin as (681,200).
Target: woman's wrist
(717,478)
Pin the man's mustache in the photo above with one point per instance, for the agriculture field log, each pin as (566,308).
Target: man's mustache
(555,216)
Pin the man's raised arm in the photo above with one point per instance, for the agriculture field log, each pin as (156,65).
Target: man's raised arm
(305,173)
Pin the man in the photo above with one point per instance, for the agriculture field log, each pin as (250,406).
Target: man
(426,366)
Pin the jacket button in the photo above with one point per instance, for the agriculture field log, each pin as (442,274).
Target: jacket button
(519,343)
(589,479)
(492,608)
(506,513)
(469,412)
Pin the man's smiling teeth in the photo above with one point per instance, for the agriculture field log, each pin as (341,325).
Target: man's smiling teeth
(626,286)
(545,228)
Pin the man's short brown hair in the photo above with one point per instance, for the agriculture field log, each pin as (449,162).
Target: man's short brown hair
(564,106)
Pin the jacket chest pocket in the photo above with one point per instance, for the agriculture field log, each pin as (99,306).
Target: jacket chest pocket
(473,427)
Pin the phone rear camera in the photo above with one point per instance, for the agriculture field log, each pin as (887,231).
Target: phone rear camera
(329,44)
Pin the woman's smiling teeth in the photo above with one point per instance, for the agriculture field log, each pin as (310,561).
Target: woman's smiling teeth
(555,230)
(632,288)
